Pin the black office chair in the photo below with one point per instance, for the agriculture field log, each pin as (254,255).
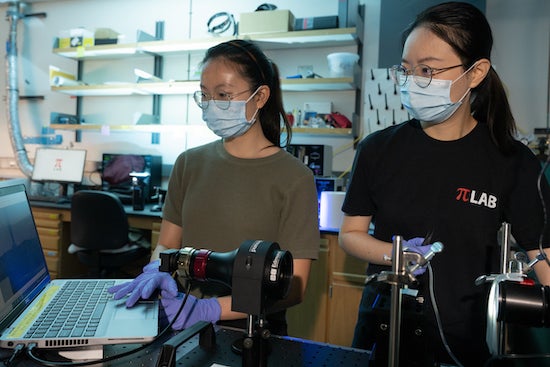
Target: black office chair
(100,235)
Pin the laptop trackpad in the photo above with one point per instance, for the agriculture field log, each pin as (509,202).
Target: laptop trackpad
(135,322)
(142,311)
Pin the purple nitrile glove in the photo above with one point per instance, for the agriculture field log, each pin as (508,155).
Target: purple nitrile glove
(414,242)
(417,245)
(195,310)
(145,284)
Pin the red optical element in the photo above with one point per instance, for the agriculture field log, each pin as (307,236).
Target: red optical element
(199,264)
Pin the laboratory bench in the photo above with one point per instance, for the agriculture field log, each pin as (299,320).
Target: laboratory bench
(205,345)
(328,313)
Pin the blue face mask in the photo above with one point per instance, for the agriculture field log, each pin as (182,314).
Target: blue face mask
(433,103)
(229,123)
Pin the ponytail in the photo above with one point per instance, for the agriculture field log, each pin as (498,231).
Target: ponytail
(491,106)
(273,113)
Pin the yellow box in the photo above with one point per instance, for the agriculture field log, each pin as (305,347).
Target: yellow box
(266,21)
(76,37)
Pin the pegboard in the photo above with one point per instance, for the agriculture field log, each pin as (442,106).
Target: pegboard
(382,104)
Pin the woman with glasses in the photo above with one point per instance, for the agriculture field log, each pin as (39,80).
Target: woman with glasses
(453,173)
(244,186)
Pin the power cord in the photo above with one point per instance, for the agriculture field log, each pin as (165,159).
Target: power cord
(543,254)
(438,318)
(31,347)
(544,209)
(19,348)
(221,22)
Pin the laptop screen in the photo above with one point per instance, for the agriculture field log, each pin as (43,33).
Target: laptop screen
(59,165)
(23,270)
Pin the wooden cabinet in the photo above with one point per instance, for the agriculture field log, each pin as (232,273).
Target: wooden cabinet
(347,277)
(305,320)
(329,311)
(54,235)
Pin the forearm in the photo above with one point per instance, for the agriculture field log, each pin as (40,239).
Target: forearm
(296,292)
(169,238)
(355,240)
(298,286)
(227,313)
(365,247)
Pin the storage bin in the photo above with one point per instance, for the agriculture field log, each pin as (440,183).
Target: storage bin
(342,64)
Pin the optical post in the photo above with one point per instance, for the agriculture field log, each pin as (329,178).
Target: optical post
(259,274)
(404,263)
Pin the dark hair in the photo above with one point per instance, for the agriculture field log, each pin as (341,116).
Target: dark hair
(258,70)
(467,31)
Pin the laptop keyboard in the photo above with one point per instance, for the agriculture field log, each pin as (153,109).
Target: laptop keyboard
(75,311)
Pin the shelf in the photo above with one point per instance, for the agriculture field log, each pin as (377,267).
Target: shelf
(102,51)
(168,128)
(127,89)
(296,39)
(97,127)
(325,38)
(189,87)
(320,84)
(322,131)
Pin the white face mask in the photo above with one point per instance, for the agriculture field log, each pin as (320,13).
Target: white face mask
(433,103)
(229,123)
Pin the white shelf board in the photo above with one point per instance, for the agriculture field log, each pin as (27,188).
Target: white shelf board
(295,39)
(188,87)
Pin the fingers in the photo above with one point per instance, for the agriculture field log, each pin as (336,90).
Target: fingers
(149,287)
(417,241)
(134,297)
(121,290)
(132,300)
(146,288)
(152,266)
(169,286)
(136,292)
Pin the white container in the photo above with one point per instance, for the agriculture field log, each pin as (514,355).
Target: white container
(342,64)
(330,213)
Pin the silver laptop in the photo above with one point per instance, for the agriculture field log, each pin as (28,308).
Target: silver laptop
(28,298)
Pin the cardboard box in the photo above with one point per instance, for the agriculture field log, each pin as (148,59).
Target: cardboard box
(316,23)
(266,21)
(105,36)
(76,37)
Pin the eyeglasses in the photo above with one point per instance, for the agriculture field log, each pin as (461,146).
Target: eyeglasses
(422,74)
(223,102)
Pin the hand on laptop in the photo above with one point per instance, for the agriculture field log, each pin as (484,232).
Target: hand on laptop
(145,284)
(194,310)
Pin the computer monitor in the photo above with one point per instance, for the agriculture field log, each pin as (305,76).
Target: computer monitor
(59,165)
(116,169)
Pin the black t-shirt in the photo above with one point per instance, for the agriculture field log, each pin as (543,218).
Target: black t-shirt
(458,191)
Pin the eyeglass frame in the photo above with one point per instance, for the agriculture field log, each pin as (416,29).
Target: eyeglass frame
(229,99)
(407,72)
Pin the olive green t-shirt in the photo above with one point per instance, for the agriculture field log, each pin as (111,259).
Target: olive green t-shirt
(221,201)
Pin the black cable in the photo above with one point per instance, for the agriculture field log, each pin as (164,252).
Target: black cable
(30,348)
(227,22)
(438,317)
(15,354)
(544,209)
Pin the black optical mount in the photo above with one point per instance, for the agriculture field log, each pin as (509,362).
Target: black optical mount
(259,274)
